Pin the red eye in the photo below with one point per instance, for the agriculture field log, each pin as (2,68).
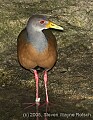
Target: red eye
(42,21)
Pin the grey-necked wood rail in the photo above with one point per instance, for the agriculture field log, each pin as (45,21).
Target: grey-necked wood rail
(37,47)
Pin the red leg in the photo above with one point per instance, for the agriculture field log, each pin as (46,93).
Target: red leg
(37,81)
(37,101)
(45,82)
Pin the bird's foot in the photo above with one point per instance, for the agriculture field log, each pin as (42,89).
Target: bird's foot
(45,103)
(37,100)
(48,104)
(37,103)
(30,105)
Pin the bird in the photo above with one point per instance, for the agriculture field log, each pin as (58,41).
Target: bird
(37,49)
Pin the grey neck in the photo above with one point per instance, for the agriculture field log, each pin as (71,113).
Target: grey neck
(38,40)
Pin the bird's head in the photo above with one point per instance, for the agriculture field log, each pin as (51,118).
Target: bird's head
(40,22)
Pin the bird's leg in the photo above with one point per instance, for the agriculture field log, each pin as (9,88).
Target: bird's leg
(37,101)
(45,82)
(37,81)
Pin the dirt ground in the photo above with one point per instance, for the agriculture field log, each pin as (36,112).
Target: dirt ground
(70,84)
